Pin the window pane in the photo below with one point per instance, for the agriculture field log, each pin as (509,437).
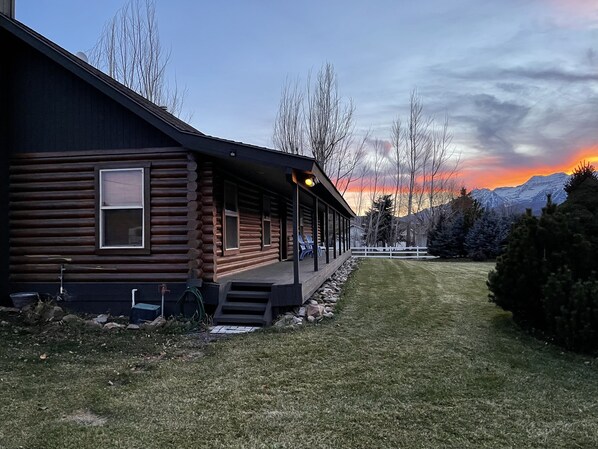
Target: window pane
(232,232)
(122,187)
(123,227)
(266,207)
(267,232)
(230,197)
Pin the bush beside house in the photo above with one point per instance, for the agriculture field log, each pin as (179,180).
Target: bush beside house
(547,275)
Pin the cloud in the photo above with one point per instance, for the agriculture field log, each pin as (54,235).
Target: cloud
(495,123)
(550,74)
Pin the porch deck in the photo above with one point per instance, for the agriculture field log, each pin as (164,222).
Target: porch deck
(281,273)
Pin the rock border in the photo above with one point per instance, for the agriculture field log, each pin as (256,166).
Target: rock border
(322,303)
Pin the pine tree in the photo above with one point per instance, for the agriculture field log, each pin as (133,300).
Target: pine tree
(378,221)
(488,236)
(447,237)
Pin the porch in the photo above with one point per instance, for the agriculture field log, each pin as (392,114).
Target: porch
(281,274)
(254,297)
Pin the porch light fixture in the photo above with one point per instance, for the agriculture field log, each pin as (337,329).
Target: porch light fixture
(310,181)
(232,153)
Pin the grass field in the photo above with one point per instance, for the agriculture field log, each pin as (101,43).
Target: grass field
(415,358)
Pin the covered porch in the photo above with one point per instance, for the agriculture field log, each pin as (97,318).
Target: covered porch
(280,275)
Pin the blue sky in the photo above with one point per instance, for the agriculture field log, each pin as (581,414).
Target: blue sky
(517,78)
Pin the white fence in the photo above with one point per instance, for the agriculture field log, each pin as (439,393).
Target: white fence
(410,252)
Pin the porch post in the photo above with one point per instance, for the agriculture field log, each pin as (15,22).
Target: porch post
(343,233)
(327,230)
(346,234)
(295,234)
(340,233)
(334,233)
(316,232)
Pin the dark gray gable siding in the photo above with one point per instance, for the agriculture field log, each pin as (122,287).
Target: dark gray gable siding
(50,109)
(3,186)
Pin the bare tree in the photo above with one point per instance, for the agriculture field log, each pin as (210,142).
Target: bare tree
(417,144)
(397,158)
(444,167)
(343,163)
(320,123)
(130,51)
(425,164)
(288,127)
(329,120)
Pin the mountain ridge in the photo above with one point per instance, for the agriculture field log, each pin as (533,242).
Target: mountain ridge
(529,195)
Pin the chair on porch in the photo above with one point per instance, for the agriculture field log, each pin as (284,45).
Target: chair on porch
(304,248)
(310,242)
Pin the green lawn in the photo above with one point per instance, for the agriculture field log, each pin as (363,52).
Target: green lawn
(416,357)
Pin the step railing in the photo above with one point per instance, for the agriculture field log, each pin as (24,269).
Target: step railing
(410,252)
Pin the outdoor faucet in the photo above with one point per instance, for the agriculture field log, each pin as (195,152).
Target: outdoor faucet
(163,291)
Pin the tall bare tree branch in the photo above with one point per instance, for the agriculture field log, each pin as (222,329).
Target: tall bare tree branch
(320,123)
(130,51)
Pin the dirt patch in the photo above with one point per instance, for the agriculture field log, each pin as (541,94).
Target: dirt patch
(86,418)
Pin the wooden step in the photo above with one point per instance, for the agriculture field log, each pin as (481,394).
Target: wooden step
(249,295)
(241,318)
(230,306)
(253,286)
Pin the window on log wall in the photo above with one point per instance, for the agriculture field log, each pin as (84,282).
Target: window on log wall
(266,222)
(123,209)
(231,218)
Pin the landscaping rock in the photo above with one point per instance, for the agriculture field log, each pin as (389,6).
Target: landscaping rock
(302,312)
(72,319)
(328,315)
(315,310)
(133,327)
(93,324)
(9,310)
(311,319)
(156,324)
(4,323)
(112,326)
(52,313)
(102,319)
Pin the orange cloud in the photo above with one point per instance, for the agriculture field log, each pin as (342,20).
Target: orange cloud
(479,173)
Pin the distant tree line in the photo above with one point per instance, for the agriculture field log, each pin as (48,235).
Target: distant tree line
(464,229)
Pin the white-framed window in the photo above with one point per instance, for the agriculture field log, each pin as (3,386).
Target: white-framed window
(231,217)
(122,203)
(266,221)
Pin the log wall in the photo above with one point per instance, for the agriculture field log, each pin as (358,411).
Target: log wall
(52,212)
(251,253)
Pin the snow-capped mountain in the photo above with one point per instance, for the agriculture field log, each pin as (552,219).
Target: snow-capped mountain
(531,195)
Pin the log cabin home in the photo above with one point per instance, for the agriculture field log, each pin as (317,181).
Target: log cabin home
(123,196)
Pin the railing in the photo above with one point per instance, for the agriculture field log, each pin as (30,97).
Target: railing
(410,252)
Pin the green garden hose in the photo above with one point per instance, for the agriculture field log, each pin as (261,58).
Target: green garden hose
(194,291)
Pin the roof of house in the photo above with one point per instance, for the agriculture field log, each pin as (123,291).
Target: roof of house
(166,122)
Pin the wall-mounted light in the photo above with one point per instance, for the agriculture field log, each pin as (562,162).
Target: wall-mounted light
(232,153)
(310,181)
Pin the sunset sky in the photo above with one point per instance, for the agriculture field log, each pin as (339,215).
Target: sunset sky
(517,78)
